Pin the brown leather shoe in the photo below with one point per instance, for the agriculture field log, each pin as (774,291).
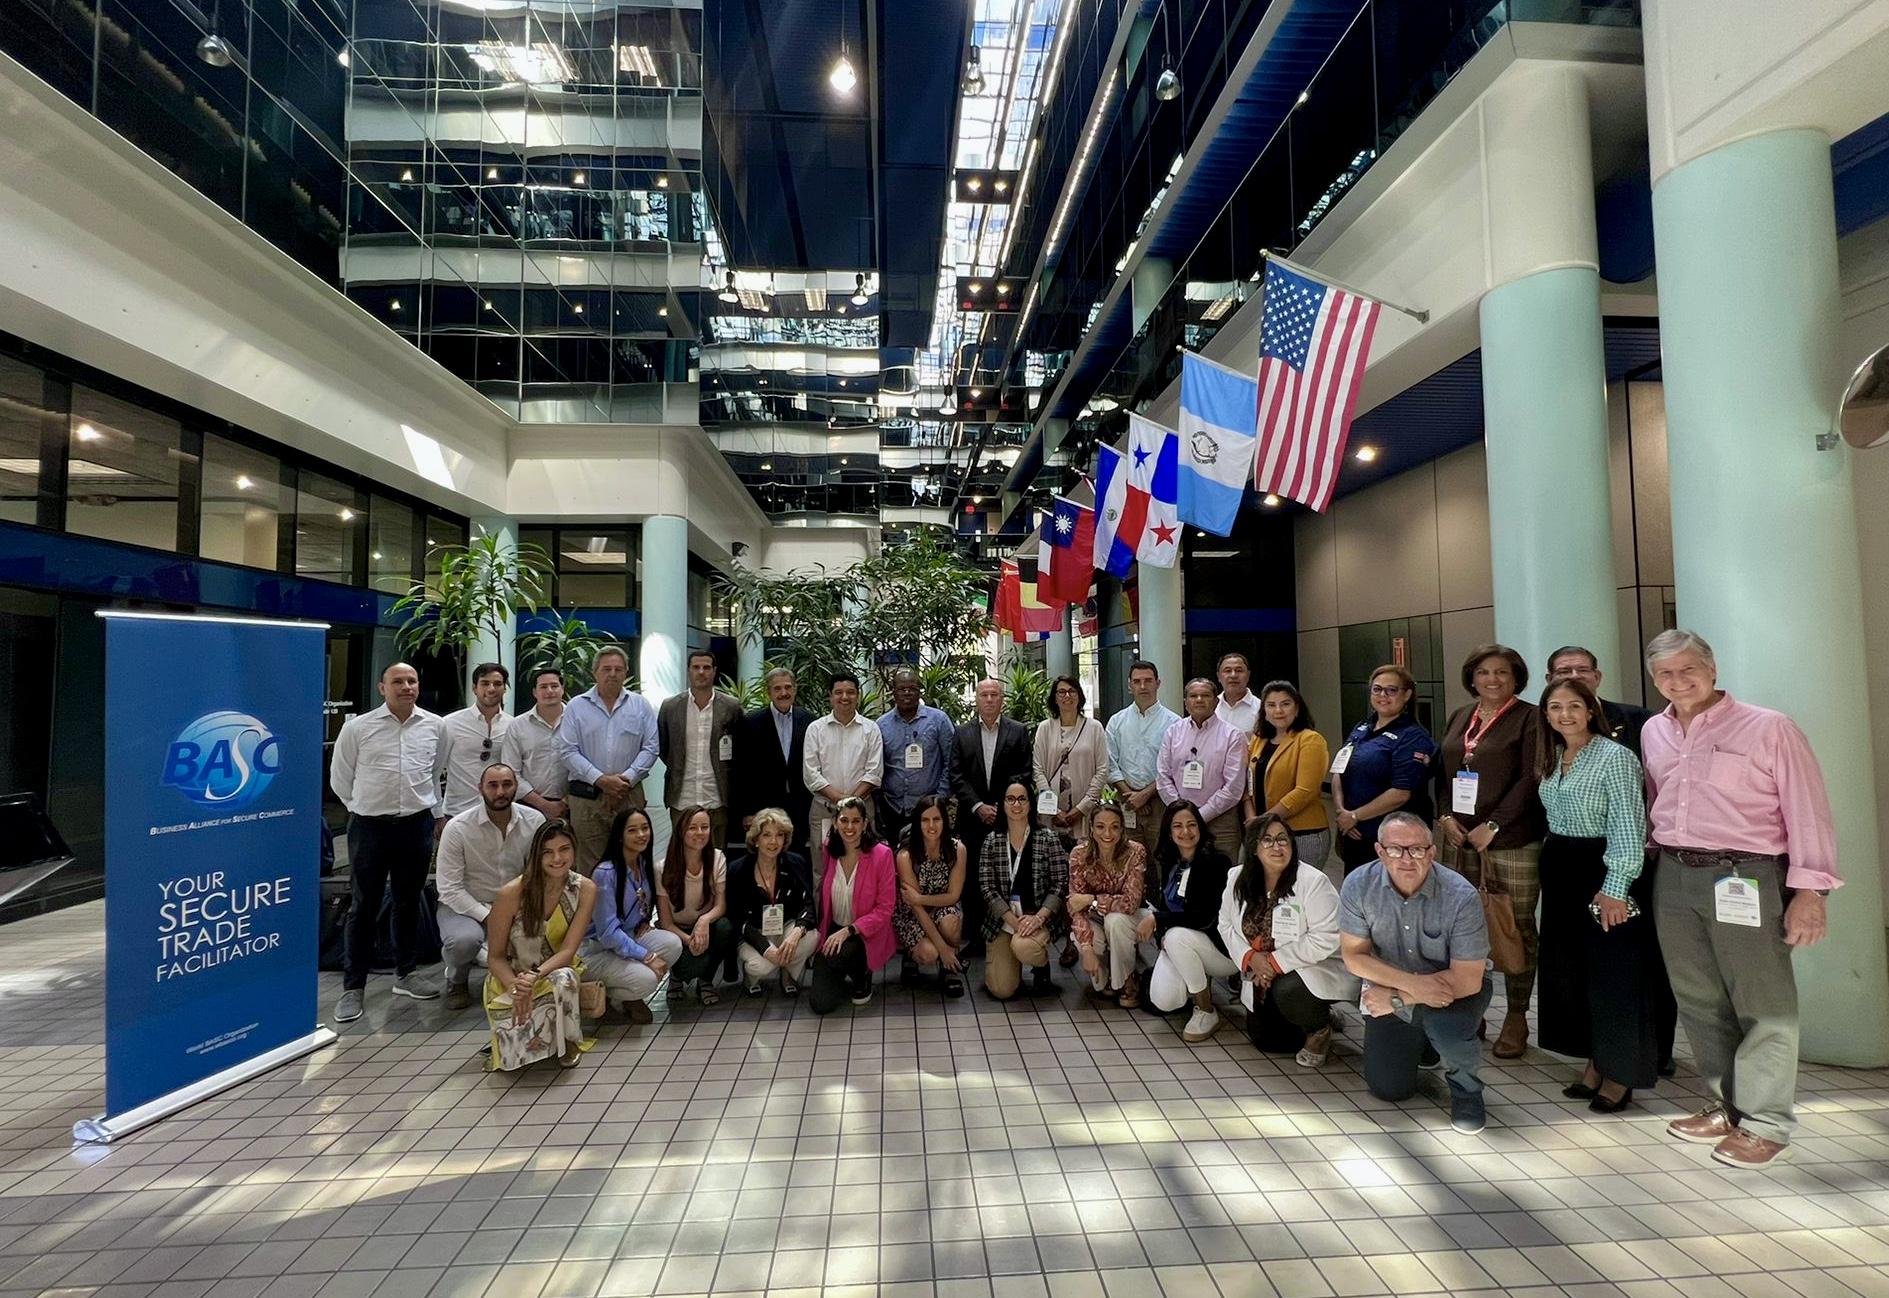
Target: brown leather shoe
(1743,1149)
(639,1012)
(1131,992)
(1513,1043)
(1708,1126)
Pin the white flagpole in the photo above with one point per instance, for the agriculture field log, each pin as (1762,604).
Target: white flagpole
(1421,317)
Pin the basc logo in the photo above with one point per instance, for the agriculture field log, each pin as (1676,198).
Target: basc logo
(222,759)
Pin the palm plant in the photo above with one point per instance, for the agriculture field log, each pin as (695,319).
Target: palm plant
(567,646)
(480,589)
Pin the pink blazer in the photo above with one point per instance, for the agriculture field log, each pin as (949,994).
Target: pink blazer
(875,889)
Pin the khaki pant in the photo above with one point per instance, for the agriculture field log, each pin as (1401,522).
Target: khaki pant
(1115,946)
(758,968)
(1006,956)
(1147,827)
(1224,830)
(590,825)
(1517,870)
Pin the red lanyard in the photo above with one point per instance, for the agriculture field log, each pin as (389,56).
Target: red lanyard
(1473,732)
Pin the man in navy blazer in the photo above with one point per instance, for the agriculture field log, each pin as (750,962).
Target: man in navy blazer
(770,744)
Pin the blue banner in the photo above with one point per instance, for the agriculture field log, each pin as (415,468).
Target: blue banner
(213,763)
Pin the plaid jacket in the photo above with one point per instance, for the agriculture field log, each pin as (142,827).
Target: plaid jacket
(1049,870)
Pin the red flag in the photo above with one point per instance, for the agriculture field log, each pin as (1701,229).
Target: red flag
(1066,561)
(1034,612)
(1008,612)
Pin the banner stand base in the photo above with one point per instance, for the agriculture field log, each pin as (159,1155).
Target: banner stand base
(104,1130)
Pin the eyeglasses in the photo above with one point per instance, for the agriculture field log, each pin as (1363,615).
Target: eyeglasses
(1403,853)
(1016,797)
(485,753)
(1387,690)
(1273,840)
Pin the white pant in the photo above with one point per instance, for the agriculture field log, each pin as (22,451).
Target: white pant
(462,944)
(1189,962)
(630,980)
(759,968)
(1114,945)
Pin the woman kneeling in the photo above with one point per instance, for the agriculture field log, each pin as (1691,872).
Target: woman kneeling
(538,921)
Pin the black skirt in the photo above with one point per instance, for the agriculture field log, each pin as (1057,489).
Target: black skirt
(1598,988)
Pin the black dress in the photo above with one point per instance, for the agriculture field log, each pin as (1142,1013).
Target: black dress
(1598,987)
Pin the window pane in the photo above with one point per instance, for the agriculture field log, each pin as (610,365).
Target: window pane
(325,520)
(389,546)
(440,533)
(22,415)
(243,503)
(593,568)
(121,477)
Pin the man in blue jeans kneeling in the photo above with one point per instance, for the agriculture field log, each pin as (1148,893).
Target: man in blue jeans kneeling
(1415,935)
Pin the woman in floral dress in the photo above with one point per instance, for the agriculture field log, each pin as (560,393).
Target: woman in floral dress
(537,923)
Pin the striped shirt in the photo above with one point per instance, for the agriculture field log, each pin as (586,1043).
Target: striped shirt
(1601,796)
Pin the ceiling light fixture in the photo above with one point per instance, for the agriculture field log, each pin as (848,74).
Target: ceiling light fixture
(843,78)
(243,482)
(578,308)
(974,73)
(213,49)
(394,305)
(577,178)
(491,173)
(1271,501)
(1366,454)
(860,297)
(1003,187)
(728,293)
(1167,86)
(406,174)
(346,515)
(87,433)
(341,57)
(663,311)
(1305,97)
(950,404)
(816,299)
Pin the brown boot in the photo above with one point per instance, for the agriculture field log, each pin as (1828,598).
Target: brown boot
(1513,1041)
(1131,992)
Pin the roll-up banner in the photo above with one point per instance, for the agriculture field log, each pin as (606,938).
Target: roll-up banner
(213,766)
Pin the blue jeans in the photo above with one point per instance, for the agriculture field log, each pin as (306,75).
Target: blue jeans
(1392,1047)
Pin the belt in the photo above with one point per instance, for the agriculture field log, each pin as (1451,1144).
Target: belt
(431,813)
(1710,858)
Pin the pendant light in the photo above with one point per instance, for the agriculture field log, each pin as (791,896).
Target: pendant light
(728,293)
(974,73)
(860,297)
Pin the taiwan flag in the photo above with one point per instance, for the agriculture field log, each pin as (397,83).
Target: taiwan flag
(1066,562)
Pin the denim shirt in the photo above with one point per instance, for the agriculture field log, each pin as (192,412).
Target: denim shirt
(1423,933)
(616,932)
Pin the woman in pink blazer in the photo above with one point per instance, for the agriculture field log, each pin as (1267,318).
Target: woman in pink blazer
(856,899)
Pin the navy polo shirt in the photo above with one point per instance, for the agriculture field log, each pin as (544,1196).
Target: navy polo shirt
(1400,756)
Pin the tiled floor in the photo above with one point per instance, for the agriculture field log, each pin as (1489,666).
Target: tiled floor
(912,1149)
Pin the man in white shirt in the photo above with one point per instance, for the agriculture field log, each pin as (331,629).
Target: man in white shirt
(471,737)
(1134,753)
(1239,706)
(386,771)
(481,850)
(695,734)
(845,758)
(531,748)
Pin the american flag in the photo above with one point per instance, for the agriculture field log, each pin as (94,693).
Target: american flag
(1313,346)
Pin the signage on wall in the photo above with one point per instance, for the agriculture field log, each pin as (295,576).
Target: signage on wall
(1400,651)
(212,876)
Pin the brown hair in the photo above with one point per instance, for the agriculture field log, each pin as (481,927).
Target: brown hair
(1551,741)
(531,912)
(675,865)
(1502,651)
(1301,722)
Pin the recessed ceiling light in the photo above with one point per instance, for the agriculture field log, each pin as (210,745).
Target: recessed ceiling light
(1304,98)
(1270,501)
(577,308)
(1003,186)
(406,173)
(974,184)
(375,556)
(1366,454)
(87,433)
(662,311)
(491,173)
(394,305)
(243,482)
(346,515)
(662,182)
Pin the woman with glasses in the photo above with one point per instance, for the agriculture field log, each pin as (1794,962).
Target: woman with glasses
(1491,817)
(1070,760)
(1024,877)
(1285,772)
(1107,879)
(692,903)
(626,951)
(857,893)
(1384,766)
(1600,959)
(532,935)
(1183,918)
(1280,918)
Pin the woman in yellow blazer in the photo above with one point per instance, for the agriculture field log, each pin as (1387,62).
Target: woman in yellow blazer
(1285,773)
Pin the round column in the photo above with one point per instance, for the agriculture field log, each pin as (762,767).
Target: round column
(503,649)
(750,656)
(1159,628)
(1059,651)
(663,631)
(1764,524)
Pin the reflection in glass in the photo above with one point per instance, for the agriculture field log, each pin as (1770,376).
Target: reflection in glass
(326,522)
(123,471)
(22,417)
(242,502)
(389,545)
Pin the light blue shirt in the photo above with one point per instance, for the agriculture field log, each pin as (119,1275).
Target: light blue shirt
(936,738)
(784,730)
(1134,743)
(597,741)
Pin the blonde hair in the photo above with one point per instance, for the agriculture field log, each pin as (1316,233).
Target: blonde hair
(770,818)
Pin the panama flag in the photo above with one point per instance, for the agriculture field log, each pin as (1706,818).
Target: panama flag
(1218,437)
(1135,495)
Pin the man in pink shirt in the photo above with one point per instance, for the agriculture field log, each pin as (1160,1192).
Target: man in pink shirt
(1747,854)
(1203,761)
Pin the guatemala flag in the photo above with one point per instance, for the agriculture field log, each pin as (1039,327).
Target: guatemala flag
(1135,496)
(1218,439)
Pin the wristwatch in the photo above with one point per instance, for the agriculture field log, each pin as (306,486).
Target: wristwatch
(1494,828)
(1397,1003)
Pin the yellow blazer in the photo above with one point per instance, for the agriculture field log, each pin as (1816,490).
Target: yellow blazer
(1295,780)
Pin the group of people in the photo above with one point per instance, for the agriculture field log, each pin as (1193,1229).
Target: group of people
(1185,850)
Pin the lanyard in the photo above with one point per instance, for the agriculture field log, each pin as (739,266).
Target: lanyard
(1063,757)
(1477,728)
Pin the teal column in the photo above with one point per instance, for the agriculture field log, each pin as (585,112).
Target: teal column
(503,649)
(1764,524)
(1059,651)
(1159,628)
(663,643)
(750,655)
(1544,401)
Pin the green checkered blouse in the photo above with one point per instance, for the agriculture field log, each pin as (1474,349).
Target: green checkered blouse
(1603,796)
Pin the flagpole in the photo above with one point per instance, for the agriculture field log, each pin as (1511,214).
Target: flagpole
(1421,317)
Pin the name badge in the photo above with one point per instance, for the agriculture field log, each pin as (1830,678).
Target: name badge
(1046,803)
(725,750)
(1738,901)
(826,830)
(1288,922)
(1463,793)
(1193,775)
(1128,817)
(773,921)
(1342,760)
(1180,884)
(914,757)
(1016,904)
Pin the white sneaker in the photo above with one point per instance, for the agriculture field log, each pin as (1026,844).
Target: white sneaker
(1202,1025)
